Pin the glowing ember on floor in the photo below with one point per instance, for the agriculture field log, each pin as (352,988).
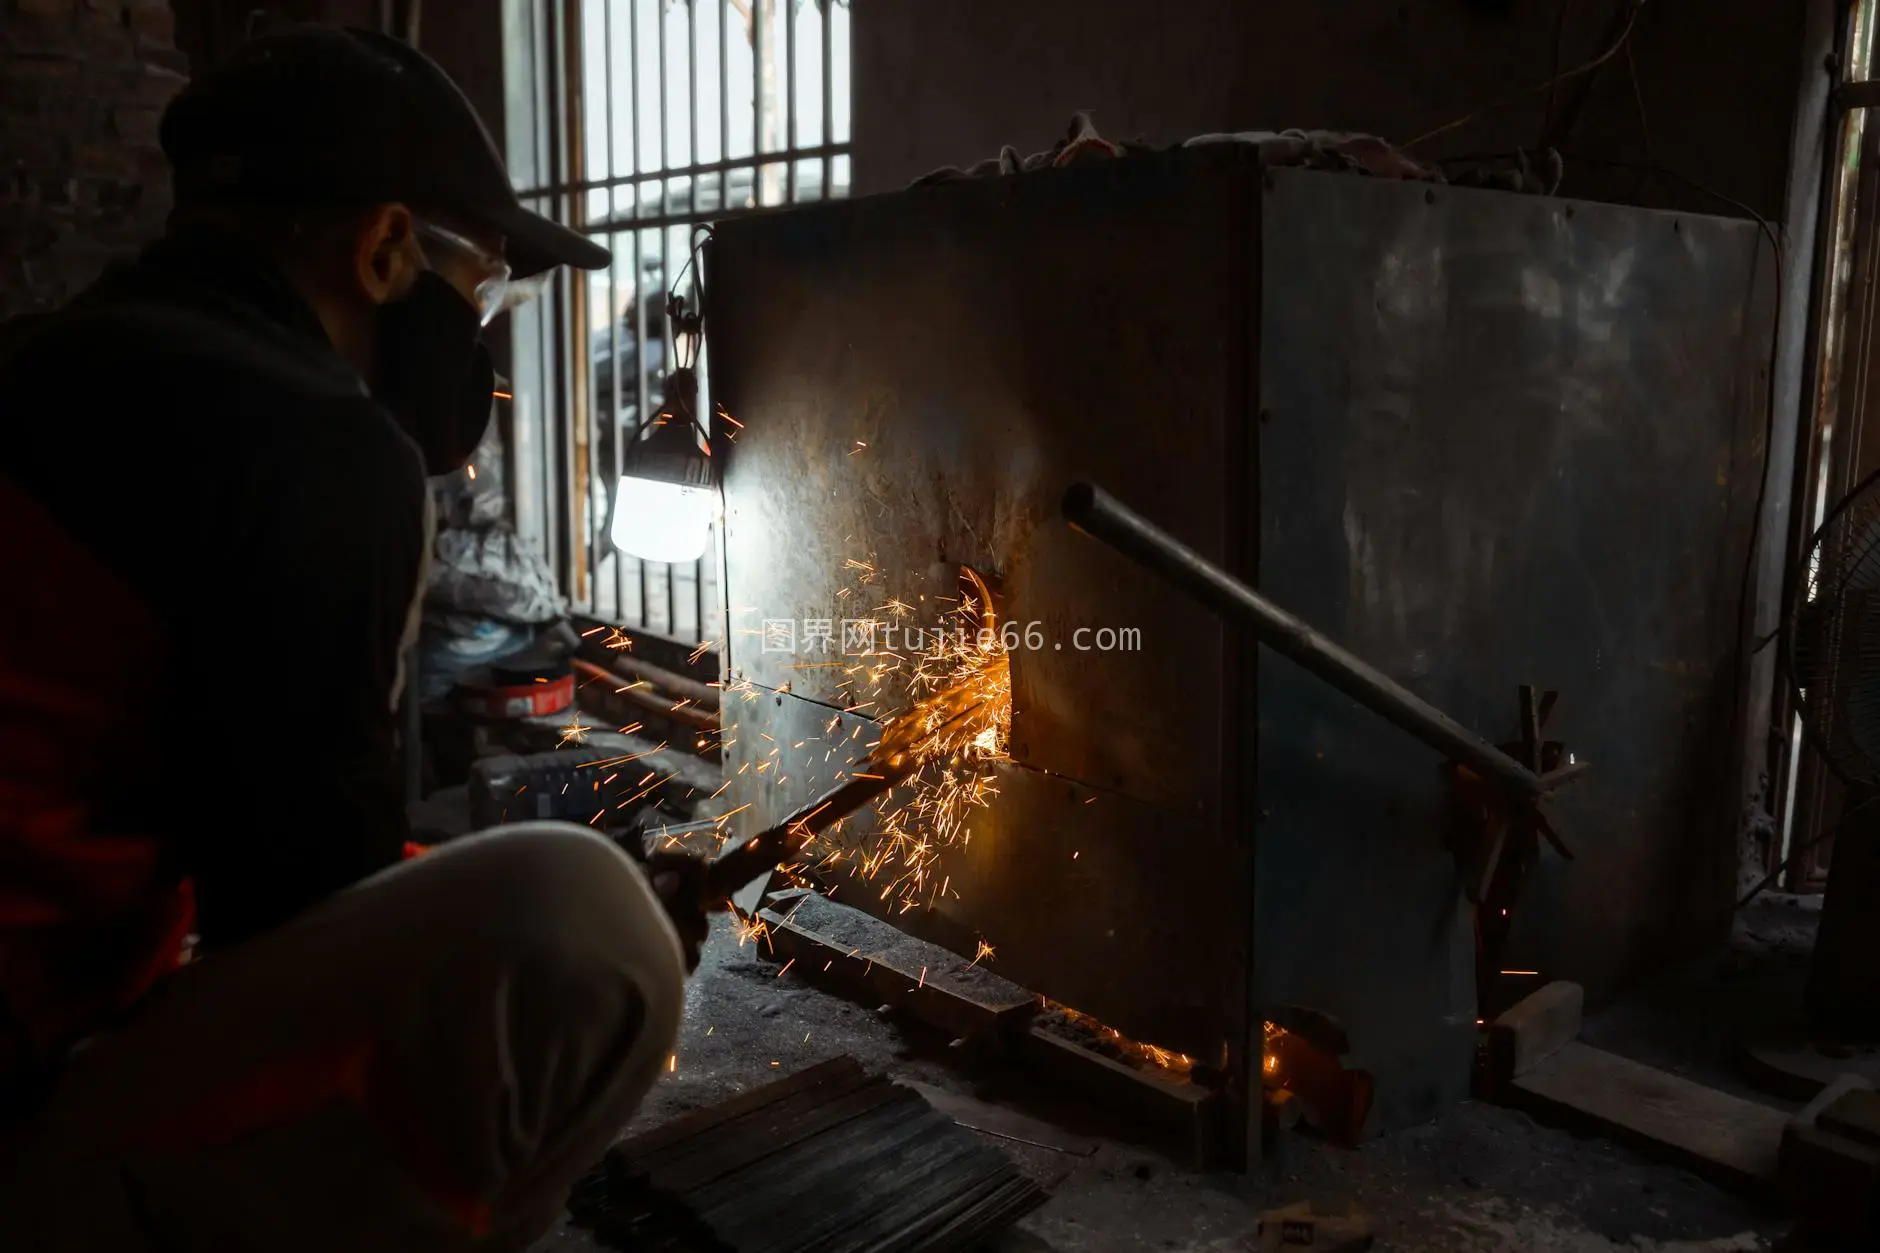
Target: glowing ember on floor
(1147,1056)
(1269,1061)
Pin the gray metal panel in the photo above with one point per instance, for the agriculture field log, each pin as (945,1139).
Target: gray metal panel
(989,343)
(1507,440)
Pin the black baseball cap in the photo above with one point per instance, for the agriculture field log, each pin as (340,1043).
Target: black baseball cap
(318,114)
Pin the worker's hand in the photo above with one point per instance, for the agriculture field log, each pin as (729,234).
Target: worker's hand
(679,879)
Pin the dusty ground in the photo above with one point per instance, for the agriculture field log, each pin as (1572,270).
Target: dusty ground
(1480,1178)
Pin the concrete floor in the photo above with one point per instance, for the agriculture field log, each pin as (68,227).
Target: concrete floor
(1479,1178)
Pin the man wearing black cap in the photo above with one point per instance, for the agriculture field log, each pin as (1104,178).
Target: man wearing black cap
(212,489)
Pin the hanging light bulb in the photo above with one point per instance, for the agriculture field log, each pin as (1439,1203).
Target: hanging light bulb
(667,498)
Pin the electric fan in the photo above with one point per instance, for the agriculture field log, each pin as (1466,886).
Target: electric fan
(1832,643)
(1833,638)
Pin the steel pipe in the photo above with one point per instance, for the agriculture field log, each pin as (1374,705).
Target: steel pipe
(1093,511)
(659,706)
(705,694)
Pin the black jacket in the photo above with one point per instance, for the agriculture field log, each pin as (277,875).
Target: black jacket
(187,424)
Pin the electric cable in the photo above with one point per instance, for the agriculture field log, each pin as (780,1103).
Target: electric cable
(1587,67)
(1553,69)
(1638,103)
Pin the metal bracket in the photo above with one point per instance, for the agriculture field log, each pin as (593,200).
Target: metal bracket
(1861,95)
(1501,831)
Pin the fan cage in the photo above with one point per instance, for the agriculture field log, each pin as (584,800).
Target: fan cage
(1833,637)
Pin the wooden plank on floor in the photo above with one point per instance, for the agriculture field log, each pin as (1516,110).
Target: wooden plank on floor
(832,1158)
(845,1071)
(1731,1141)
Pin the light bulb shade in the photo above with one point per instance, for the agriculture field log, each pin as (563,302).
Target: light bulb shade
(660,521)
(668,493)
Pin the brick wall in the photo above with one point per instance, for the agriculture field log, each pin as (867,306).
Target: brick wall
(82,182)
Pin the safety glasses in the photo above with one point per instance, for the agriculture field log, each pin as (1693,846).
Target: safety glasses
(496,292)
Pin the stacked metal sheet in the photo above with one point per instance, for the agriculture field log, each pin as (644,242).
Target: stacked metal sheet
(830,1160)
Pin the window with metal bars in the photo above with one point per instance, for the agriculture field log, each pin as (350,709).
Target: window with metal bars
(635,121)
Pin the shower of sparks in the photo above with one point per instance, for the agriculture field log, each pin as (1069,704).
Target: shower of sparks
(752,930)
(952,684)
(958,681)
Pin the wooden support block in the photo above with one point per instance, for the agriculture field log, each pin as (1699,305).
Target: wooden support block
(1731,1141)
(1297,1227)
(1186,1116)
(880,965)
(1831,1096)
(1829,1181)
(1534,1029)
(1854,1114)
(930,993)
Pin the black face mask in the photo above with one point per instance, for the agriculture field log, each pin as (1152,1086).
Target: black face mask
(434,373)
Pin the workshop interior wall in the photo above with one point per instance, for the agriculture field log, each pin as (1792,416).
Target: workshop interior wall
(947,84)
(82,86)
(1704,98)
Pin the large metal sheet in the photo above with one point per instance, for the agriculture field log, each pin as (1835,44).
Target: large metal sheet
(1085,895)
(918,378)
(1506,440)
(1503,440)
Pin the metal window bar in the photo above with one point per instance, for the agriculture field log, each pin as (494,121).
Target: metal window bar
(594,353)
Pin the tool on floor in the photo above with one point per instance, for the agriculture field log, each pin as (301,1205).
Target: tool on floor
(1296,1226)
(907,742)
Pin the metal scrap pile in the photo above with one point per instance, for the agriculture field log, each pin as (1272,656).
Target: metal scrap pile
(1339,151)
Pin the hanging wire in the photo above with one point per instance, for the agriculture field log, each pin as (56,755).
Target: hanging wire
(1587,67)
(681,322)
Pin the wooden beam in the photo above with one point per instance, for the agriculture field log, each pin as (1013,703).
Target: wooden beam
(928,993)
(1732,1142)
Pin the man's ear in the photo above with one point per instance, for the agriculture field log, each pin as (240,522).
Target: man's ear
(386,259)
